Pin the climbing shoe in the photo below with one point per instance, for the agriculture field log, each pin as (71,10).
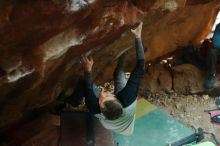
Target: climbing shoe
(210,82)
(61,97)
(57,109)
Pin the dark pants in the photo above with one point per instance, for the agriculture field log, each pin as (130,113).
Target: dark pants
(211,60)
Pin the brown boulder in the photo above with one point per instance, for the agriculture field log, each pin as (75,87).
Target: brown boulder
(188,79)
(157,78)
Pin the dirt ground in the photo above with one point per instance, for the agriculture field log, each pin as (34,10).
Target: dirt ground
(189,109)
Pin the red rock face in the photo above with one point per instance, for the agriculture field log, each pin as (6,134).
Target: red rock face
(41,42)
(40,45)
(41,38)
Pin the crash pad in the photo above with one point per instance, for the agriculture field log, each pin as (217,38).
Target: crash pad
(153,127)
(83,129)
(203,144)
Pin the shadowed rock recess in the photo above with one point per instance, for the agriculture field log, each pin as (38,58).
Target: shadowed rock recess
(42,40)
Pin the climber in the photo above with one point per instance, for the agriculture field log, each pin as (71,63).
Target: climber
(212,58)
(115,111)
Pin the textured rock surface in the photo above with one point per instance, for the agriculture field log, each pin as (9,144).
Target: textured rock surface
(41,42)
(187,79)
(157,78)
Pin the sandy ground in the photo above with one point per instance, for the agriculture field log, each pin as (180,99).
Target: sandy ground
(189,109)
